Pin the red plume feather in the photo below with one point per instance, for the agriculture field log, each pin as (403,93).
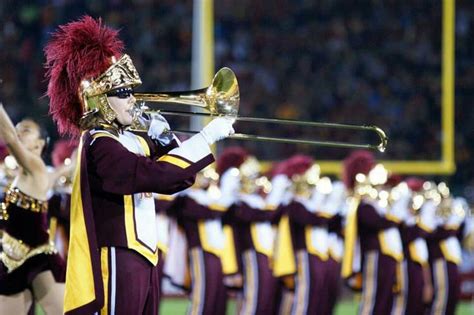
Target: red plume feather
(297,165)
(415,183)
(359,161)
(230,157)
(78,50)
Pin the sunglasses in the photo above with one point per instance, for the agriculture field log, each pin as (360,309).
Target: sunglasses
(121,93)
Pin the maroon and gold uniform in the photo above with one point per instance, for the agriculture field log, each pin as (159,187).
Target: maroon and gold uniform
(369,224)
(113,249)
(201,220)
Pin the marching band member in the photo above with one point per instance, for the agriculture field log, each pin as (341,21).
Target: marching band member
(308,222)
(30,268)
(113,247)
(283,263)
(445,251)
(395,196)
(199,214)
(338,200)
(417,290)
(369,223)
(253,233)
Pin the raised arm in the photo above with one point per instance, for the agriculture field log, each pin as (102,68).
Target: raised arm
(30,162)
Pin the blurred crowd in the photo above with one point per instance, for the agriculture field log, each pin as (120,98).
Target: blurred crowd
(370,62)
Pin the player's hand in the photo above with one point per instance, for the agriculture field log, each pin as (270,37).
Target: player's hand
(218,129)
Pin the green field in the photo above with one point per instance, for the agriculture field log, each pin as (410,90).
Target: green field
(176,306)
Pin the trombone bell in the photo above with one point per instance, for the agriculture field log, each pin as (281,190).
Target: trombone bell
(222,97)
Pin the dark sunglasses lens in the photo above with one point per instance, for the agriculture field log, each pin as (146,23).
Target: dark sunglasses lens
(121,93)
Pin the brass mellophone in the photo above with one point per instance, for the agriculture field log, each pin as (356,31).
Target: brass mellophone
(222,98)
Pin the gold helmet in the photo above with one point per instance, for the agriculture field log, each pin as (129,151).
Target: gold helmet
(84,60)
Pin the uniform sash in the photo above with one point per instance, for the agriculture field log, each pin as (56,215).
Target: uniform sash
(84,288)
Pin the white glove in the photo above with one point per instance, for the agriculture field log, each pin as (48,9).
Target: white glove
(317,200)
(160,129)
(229,186)
(280,184)
(336,198)
(428,215)
(218,129)
(455,219)
(400,207)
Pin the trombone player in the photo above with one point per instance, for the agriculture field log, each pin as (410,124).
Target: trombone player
(113,248)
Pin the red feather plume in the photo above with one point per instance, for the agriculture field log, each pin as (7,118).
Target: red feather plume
(415,183)
(359,161)
(297,165)
(230,157)
(78,50)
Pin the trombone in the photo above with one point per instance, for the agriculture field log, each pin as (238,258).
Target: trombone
(222,98)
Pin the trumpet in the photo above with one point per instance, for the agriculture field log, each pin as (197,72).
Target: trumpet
(222,98)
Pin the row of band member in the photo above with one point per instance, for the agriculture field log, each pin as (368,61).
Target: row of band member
(279,243)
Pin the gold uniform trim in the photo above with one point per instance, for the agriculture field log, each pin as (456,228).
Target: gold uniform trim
(229,257)
(206,246)
(350,238)
(386,249)
(393,218)
(309,244)
(80,288)
(198,281)
(144,145)
(15,253)
(414,254)
(164,197)
(217,207)
(174,160)
(424,227)
(104,263)
(284,262)
(447,253)
(16,197)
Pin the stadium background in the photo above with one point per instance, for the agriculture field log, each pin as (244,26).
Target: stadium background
(360,62)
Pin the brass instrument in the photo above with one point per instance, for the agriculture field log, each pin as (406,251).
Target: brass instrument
(303,184)
(222,98)
(249,172)
(370,185)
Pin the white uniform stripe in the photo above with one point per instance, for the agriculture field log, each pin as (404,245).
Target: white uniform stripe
(113,280)
(246,285)
(369,284)
(441,287)
(302,284)
(255,266)
(198,278)
(202,270)
(400,301)
(251,282)
(307,278)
